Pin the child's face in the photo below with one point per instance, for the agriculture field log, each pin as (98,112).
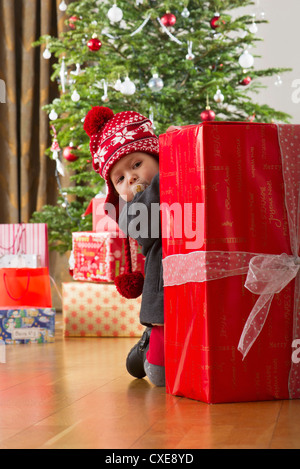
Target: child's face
(135,168)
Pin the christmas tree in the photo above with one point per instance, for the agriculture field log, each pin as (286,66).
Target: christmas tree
(178,62)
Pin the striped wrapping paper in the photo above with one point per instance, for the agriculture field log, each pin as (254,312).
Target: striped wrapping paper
(25,238)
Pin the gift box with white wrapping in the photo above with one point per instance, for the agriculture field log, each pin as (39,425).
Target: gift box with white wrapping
(98,310)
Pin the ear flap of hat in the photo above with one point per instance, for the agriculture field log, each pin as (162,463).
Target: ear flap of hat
(130,284)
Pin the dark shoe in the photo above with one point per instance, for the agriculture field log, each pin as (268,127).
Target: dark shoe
(137,356)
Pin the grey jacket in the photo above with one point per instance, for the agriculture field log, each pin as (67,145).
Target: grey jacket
(148,235)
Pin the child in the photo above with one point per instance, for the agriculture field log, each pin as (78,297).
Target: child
(125,153)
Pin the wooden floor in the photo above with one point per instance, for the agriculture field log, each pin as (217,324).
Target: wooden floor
(76,393)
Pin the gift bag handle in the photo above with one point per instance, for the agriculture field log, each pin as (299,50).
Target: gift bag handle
(20,232)
(26,289)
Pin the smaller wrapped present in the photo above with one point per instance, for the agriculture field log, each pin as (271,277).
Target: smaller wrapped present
(98,310)
(30,325)
(101,256)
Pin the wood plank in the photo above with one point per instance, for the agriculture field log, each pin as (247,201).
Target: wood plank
(76,393)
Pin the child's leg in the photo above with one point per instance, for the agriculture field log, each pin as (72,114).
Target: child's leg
(155,357)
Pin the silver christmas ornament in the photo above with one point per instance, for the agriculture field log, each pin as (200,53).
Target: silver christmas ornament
(155,83)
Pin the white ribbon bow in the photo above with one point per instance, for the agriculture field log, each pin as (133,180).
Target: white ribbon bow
(267,275)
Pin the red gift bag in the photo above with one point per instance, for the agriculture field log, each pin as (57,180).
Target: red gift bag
(25,287)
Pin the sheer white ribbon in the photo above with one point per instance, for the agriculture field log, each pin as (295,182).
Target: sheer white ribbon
(267,274)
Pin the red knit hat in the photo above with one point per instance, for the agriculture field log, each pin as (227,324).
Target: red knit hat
(113,136)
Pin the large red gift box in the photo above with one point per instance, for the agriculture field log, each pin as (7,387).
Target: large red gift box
(229,197)
(100,257)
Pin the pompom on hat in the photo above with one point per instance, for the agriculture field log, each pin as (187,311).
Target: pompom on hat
(113,136)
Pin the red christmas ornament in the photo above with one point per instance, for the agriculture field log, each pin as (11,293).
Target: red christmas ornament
(207,115)
(69,155)
(217,66)
(215,21)
(94,44)
(246,81)
(168,19)
(72,22)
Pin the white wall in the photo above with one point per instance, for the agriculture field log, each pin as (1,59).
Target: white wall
(279,48)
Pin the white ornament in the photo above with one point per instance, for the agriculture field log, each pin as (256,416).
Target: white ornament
(253,28)
(185,13)
(75,96)
(219,97)
(278,81)
(127,87)
(190,55)
(53,115)
(246,60)
(117,85)
(104,98)
(115,14)
(62,6)
(62,75)
(155,83)
(77,71)
(47,53)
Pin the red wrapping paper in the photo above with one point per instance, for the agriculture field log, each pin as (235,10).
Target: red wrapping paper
(235,171)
